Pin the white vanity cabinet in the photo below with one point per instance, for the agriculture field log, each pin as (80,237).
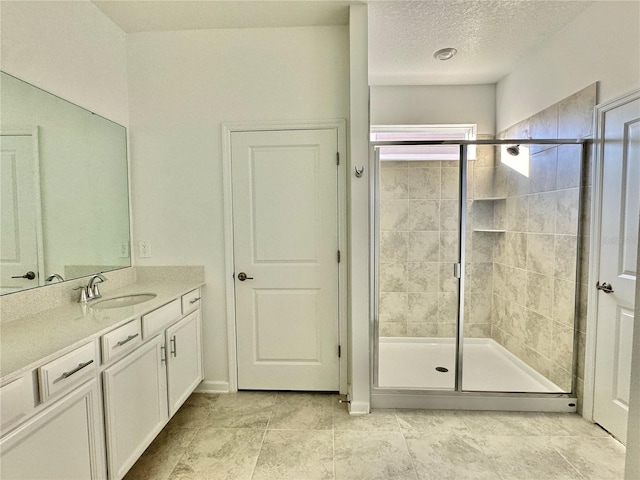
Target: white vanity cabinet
(135,404)
(144,389)
(63,441)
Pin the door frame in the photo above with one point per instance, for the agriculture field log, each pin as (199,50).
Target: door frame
(594,248)
(33,132)
(340,127)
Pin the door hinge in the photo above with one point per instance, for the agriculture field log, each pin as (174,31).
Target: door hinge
(337,158)
(338,256)
(339,351)
(457,273)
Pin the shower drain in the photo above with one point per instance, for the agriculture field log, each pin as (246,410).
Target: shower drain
(442,369)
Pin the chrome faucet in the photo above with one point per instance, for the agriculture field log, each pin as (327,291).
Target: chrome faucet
(54,276)
(90,291)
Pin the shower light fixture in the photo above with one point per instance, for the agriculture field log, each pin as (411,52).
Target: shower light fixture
(445,53)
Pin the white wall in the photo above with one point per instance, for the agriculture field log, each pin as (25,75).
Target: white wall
(435,104)
(602,44)
(182,86)
(632,471)
(70,49)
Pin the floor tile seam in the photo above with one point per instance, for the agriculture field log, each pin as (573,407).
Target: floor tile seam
(406,446)
(571,464)
(333,456)
(255,464)
(167,477)
(300,429)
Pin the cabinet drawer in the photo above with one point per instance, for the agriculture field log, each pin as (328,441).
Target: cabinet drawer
(190,301)
(17,401)
(157,320)
(121,340)
(67,371)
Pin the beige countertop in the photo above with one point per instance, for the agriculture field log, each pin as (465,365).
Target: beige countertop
(32,340)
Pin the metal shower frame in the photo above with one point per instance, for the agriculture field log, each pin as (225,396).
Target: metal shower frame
(458,398)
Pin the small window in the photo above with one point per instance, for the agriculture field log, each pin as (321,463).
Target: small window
(399,133)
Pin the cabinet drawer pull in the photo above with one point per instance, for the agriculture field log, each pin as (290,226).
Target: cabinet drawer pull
(174,352)
(127,340)
(75,370)
(194,300)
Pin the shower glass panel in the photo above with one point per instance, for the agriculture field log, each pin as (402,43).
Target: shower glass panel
(498,314)
(519,302)
(417,225)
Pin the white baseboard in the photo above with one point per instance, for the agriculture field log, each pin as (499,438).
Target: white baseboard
(359,408)
(208,386)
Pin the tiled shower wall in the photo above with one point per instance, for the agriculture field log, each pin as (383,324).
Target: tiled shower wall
(535,260)
(419,245)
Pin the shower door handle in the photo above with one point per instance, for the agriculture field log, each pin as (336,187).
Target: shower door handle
(605,287)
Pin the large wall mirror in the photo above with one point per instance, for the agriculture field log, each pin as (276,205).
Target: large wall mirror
(64,196)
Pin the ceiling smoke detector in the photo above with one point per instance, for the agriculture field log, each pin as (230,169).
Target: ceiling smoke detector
(445,53)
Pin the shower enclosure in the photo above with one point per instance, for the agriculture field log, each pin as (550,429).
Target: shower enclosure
(474,271)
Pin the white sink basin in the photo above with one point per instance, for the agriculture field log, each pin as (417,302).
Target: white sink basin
(124,300)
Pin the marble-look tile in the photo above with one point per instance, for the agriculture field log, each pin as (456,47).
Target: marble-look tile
(191,416)
(447,282)
(393,246)
(423,247)
(485,155)
(540,293)
(226,453)
(393,306)
(422,329)
(448,246)
(572,424)
(447,330)
(567,202)
(526,458)
(159,460)
(516,249)
(393,277)
(506,423)
(585,214)
(394,183)
(517,213)
(302,411)
(392,329)
(543,170)
(449,183)
(480,215)
(540,258)
(542,213)
(372,456)
(295,455)
(483,182)
(449,214)
(394,215)
(201,400)
(478,330)
(565,256)
(564,301)
(424,164)
(423,277)
(561,377)
(242,410)
(516,285)
(594,458)
(424,214)
(575,113)
(538,333)
(500,249)
(447,455)
(569,163)
(379,420)
(562,345)
(480,278)
(544,125)
(423,308)
(424,183)
(447,307)
(426,421)
(482,247)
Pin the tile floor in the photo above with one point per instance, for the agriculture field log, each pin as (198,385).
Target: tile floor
(300,436)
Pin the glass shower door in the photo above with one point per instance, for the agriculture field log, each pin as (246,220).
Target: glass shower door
(417,229)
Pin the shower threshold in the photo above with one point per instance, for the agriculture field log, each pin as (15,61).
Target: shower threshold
(410,369)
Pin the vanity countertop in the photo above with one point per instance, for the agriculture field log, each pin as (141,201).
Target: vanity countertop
(33,340)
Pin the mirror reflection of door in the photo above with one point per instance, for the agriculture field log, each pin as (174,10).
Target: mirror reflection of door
(20,255)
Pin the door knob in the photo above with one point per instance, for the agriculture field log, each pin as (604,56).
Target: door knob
(243,276)
(605,287)
(29,276)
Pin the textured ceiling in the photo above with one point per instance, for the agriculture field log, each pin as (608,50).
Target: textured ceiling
(160,15)
(490,37)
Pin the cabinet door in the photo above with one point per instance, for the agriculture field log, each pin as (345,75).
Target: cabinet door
(63,441)
(184,370)
(135,402)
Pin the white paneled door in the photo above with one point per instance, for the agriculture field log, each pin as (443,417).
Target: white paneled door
(20,214)
(285,237)
(618,261)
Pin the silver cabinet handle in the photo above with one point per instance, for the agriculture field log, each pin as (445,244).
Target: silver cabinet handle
(75,370)
(605,287)
(174,352)
(194,300)
(127,340)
